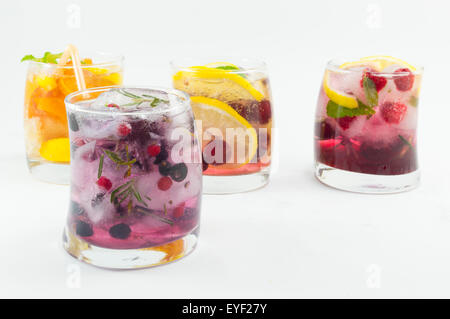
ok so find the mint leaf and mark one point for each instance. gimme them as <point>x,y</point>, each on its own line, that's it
<point>51,58</point>
<point>404,140</point>
<point>227,67</point>
<point>230,68</point>
<point>370,91</point>
<point>337,111</point>
<point>47,58</point>
<point>414,101</point>
<point>28,58</point>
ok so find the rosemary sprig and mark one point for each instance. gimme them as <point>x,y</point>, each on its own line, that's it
<point>138,100</point>
<point>100,166</point>
<point>119,161</point>
<point>151,213</point>
<point>126,191</point>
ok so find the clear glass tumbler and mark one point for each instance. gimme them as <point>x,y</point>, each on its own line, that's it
<point>366,120</point>
<point>136,177</point>
<point>45,121</point>
<point>233,106</point>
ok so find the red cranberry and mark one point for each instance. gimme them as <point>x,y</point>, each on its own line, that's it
<point>153,150</point>
<point>124,129</point>
<point>164,183</point>
<point>104,182</point>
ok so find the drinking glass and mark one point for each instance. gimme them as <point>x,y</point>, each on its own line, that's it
<point>136,177</point>
<point>366,122</point>
<point>45,121</point>
<point>233,106</point>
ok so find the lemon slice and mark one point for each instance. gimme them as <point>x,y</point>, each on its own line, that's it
<point>216,114</point>
<point>56,150</point>
<point>340,98</point>
<point>216,84</point>
<point>386,61</point>
<point>376,65</point>
<point>219,64</point>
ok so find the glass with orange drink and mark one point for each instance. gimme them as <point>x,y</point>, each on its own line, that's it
<point>45,120</point>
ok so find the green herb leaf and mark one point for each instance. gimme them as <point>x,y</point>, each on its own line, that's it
<point>414,101</point>
<point>151,213</point>
<point>230,68</point>
<point>47,58</point>
<point>100,166</point>
<point>28,57</point>
<point>118,189</point>
<point>227,67</point>
<point>404,140</point>
<point>337,111</point>
<point>370,91</point>
<point>113,156</point>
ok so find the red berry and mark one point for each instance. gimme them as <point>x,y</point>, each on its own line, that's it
<point>379,81</point>
<point>164,183</point>
<point>112,105</point>
<point>124,129</point>
<point>393,112</point>
<point>153,150</point>
<point>345,122</point>
<point>178,211</point>
<point>405,81</point>
<point>104,182</point>
<point>211,157</point>
<point>265,111</point>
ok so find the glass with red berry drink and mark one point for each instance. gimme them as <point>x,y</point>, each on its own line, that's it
<point>136,177</point>
<point>233,106</point>
<point>366,120</point>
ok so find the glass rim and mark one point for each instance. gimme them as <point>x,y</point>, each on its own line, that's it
<point>184,64</point>
<point>334,65</point>
<point>113,60</point>
<point>183,104</point>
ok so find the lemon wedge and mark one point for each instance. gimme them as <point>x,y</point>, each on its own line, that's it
<point>216,114</point>
<point>386,61</point>
<point>340,98</point>
<point>56,150</point>
<point>215,83</point>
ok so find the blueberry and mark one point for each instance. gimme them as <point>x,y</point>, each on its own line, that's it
<point>73,124</point>
<point>162,156</point>
<point>120,231</point>
<point>83,229</point>
<point>178,172</point>
<point>75,208</point>
<point>164,168</point>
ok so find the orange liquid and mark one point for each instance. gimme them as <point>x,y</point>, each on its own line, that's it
<point>45,111</point>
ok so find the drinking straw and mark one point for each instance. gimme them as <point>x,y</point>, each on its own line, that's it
<point>72,52</point>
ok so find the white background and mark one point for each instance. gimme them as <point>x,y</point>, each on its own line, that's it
<point>295,237</point>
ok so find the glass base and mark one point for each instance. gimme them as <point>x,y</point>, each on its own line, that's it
<point>50,172</point>
<point>366,183</point>
<point>235,183</point>
<point>129,258</point>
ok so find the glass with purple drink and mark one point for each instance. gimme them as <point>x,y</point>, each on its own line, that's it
<point>136,177</point>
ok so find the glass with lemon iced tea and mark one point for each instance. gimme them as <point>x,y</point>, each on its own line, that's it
<point>233,108</point>
<point>366,120</point>
<point>45,119</point>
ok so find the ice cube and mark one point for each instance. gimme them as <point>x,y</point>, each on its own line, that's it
<point>129,99</point>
